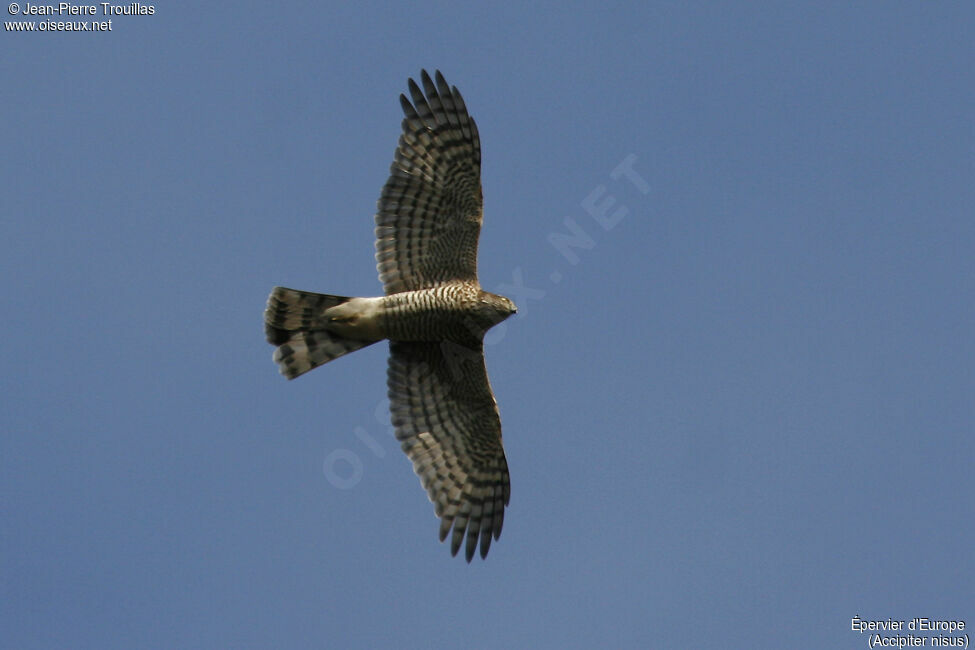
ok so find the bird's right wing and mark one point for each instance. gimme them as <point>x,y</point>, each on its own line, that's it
<point>430,209</point>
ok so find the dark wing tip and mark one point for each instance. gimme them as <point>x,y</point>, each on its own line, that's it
<point>405,103</point>
<point>485,543</point>
<point>415,92</point>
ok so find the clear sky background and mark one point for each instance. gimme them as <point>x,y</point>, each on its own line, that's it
<point>739,416</point>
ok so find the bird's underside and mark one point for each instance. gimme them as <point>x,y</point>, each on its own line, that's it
<point>434,314</point>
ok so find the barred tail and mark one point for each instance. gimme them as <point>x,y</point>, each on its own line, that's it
<point>294,322</point>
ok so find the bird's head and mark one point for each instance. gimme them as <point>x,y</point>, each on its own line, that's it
<point>495,308</point>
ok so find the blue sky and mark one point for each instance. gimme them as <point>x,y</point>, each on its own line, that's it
<point>741,414</point>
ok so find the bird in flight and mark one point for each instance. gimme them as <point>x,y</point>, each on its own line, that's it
<point>434,314</point>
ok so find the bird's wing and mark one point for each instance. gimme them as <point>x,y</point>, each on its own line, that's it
<point>447,422</point>
<point>430,209</point>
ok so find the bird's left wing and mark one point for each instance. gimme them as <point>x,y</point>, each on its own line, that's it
<point>447,422</point>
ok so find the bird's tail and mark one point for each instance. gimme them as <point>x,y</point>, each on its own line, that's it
<point>294,322</point>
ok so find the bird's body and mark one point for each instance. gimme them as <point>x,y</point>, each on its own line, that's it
<point>456,312</point>
<point>434,313</point>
